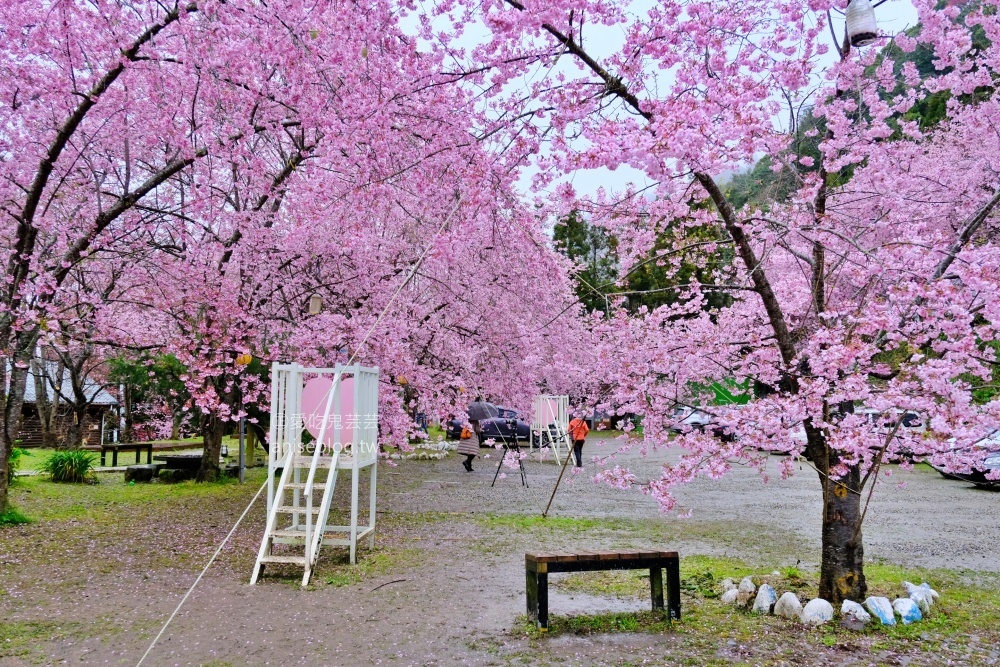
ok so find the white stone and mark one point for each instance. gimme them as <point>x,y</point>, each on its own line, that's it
<point>923,601</point>
<point>746,592</point>
<point>766,597</point>
<point>729,597</point>
<point>907,609</point>
<point>853,616</point>
<point>817,612</point>
<point>923,595</point>
<point>728,585</point>
<point>924,587</point>
<point>881,609</point>
<point>788,606</point>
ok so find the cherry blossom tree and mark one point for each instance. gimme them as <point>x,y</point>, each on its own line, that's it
<point>871,282</point>
<point>226,160</point>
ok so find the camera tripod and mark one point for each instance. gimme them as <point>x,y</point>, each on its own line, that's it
<point>514,447</point>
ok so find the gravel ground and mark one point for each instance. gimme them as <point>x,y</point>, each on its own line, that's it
<point>916,517</point>
<point>456,601</point>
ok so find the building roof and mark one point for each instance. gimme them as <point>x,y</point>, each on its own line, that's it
<point>92,389</point>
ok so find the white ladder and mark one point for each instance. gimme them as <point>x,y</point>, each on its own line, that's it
<point>308,521</point>
<point>560,436</point>
<point>297,486</point>
<point>308,533</point>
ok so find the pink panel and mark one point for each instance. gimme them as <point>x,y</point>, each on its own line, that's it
<point>549,411</point>
<point>314,398</point>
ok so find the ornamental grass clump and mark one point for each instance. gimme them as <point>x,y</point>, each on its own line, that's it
<point>70,466</point>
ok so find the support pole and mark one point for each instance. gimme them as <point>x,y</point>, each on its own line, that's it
<point>243,441</point>
<point>562,470</point>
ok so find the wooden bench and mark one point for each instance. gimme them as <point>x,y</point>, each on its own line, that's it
<point>137,447</point>
<point>537,567</point>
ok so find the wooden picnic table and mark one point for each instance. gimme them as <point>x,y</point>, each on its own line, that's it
<point>115,447</point>
<point>181,461</point>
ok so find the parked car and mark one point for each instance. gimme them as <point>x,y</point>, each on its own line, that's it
<point>501,428</point>
<point>688,419</point>
<point>977,476</point>
<point>508,427</point>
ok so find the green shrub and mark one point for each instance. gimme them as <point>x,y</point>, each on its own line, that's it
<point>11,517</point>
<point>14,463</point>
<point>70,466</point>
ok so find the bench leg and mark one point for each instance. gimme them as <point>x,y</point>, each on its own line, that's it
<point>531,593</point>
<point>138,456</point>
<point>674,588</point>
<point>656,587</point>
<point>537,594</point>
<point>103,454</point>
<point>114,458</point>
<point>149,455</point>
<point>543,600</point>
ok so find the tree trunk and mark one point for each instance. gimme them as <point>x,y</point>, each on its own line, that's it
<point>211,432</point>
<point>175,425</point>
<point>842,575</point>
<point>129,434</point>
<point>11,405</point>
<point>47,409</point>
<point>77,429</point>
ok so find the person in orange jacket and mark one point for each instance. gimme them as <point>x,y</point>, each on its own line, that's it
<point>578,431</point>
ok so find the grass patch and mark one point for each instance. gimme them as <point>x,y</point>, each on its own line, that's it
<point>23,639</point>
<point>371,564</point>
<point>12,517</point>
<point>18,639</point>
<point>532,522</point>
<point>103,502</point>
<point>739,538</point>
<point>592,624</point>
<point>964,626</point>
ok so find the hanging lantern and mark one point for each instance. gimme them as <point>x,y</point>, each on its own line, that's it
<point>315,304</point>
<point>861,27</point>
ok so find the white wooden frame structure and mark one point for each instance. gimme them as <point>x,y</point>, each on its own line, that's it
<point>294,492</point>
<point>552,411</point>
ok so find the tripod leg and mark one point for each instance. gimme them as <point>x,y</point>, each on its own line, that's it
<point>502,457</point>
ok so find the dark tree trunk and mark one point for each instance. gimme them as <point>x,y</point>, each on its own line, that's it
<point>129,434</point>
<point>212,429</point>
<point>12,403</point>
<point>77,429</point>
<point>175,425</point>
<point>48,411</point>
<point>842,575</point>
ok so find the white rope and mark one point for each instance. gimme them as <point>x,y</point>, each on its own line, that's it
<point>371,329</point>
<point>208,565</point>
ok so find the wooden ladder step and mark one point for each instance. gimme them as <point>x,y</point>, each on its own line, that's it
<point>289,533</point>
<point>292,560</point>
<point>306,462</point>
<point>291,509</point>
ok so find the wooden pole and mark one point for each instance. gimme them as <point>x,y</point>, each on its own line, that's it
<point>569,455</point>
